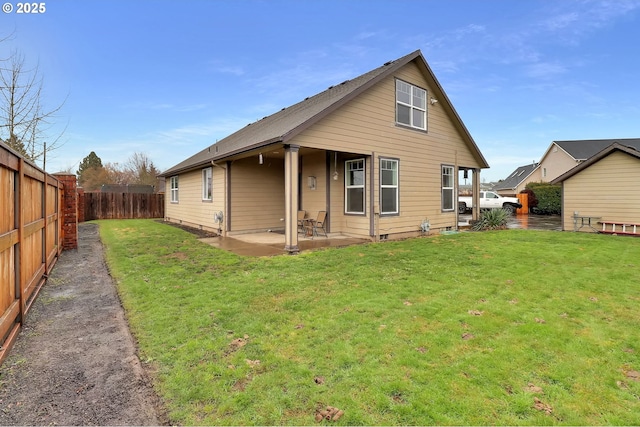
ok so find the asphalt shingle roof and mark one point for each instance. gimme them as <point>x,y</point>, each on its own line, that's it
<point>616,146</point>
<point>288,122</point>
<point>583,149</point>
<point>278,126</point>
<point>516,177</point>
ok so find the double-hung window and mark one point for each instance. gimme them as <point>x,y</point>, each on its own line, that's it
<point>448,184</point>
<point>411,105</point>
<point>174,189</point>
<point>388,186</point>
<point>354,186</point>
<point>207,184</point>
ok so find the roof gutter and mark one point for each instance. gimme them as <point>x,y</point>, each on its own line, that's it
<point>217,158</point>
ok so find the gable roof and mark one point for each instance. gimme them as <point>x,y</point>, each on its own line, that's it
<point>519,175</point>
<point>583,149</point>
<point>289,122</point>
<point>630,150</point>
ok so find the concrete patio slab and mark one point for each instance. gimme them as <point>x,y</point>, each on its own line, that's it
<point>271,244</point>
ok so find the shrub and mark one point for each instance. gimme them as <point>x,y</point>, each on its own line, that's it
<point>548,197</point>
<point>492,219</point>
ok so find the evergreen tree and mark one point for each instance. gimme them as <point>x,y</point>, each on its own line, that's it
<point>91,162</point>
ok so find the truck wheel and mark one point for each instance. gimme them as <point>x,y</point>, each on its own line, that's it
<point>462,207</point>
<point>509,208</point>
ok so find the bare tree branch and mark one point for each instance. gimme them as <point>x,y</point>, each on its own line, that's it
<point>23,120</point>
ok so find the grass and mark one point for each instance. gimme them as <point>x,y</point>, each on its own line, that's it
<point>510,327</point>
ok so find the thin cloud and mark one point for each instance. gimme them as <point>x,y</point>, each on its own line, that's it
<point>546,118</point>
<point>165,106</point>
<point>545,70</point>
<point>218,66</point>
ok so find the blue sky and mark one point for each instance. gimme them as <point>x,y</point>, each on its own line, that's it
<point>169,78</point>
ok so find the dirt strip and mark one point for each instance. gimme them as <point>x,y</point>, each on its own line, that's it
<point>75,362</point>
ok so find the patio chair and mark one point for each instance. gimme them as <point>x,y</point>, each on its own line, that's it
<point>320,223</point>
<point>301,221</point>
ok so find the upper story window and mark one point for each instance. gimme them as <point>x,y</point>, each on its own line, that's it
<point>411,105</point>
<point>207,184</point>
<point>174,189</point>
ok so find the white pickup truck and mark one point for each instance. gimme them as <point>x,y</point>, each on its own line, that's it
<point>489,200</point>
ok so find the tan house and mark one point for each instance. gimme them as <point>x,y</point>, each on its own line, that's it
<point>561,156</point>
<point>604,188</point>
<point>380,154</point>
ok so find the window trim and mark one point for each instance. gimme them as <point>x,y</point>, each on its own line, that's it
<point>174,189</point>
<point>396,186</point>
<point>443,188</point>
<point>348,187</point>
<point>411,106</point>
<point>207,173</point>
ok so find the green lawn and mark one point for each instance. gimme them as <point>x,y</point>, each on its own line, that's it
<point>509,327</point>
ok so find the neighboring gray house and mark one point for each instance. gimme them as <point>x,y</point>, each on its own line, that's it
<point>518,179</point>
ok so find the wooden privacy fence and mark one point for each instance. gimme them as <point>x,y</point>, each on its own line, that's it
<point>123,205</point>
<point>31,237</point>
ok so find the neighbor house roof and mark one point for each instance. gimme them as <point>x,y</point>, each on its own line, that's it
<point>585,148</point>
<point>289,122</point>
<point>519,175</point>
<point>616,146</point>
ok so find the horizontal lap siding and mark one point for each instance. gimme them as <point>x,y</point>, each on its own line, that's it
<point>366,125</point>
<point>314,201</point>
<point>257,193</point>
<point>191,209</point>
<point>555,164</point>
<point>607,189</point>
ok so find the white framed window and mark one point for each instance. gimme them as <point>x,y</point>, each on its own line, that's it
<point>411,105</point>
<point>448,187</point>
<point>174,189</point>
<point>388,186</point>
<point>207,184</point>
<point>354,186</point>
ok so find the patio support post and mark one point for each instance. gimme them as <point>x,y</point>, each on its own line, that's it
<point>291,165</point>
<point>475,213</point>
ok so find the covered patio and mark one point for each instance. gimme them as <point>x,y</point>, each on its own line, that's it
<point>272,243</point>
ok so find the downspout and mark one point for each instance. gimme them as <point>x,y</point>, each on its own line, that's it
<point>374,218</point>
<point>456,190</point>
<point>227,219</point>
<point>328,187</point>
<point>227,188</point>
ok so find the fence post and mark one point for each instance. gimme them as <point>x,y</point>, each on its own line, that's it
<point>70,212</point>
<point>20,276</point>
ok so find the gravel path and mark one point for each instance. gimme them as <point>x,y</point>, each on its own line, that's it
<point>75,362</point>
